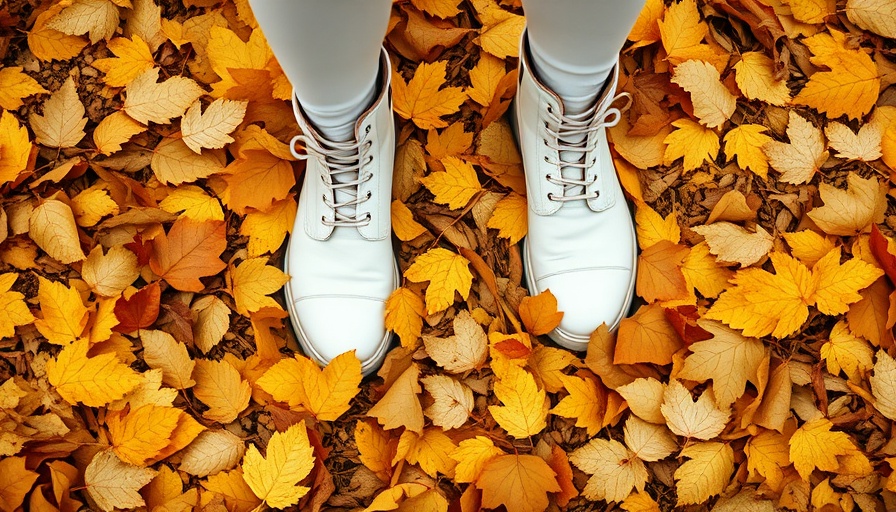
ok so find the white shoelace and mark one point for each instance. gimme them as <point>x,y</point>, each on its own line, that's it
<point>569,136</point>
<point>342,164</point>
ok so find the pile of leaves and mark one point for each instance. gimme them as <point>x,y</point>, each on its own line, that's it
<point>148,188</point>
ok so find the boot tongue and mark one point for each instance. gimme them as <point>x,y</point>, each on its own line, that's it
<point>342,195</point>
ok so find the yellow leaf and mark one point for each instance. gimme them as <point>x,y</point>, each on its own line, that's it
<point>227,51</point>
<point>454,187</point>
<point>289,459</point>
<point>15,482</point>
<point>768,454</point>
<point>220,387</point>
<point>864,146</point>
<point>166,492</point>
<point>484,77</point>
<point>404,316</point>
<point>13,310</point>
<point>692,141</point>
<point>547,365</point>
<point>64,313</point>
<point>615,470</point>
<point>93,381</point>
<point>808,246</point>
<point>403,223</point>
<point>745,143</point>
<point>115,484</point>
<point>15,148</point>
<point>162,351</point>
<point>852,211</point>
<point>148,100</point>
<point>268,229</point>
<point>642,151</point>
<point>108,275</point>
<point>659,272</point>
<point>682,31</point>
<point>848,352</point>
<point>649,442</point>
<point>452,401</point>
<point>646,29</point>
<point>132,58</point>
<point>703,273</point>
<point>91,205</point>
<point>212,451</point>
<point>400,406</point>
<point>465,351</point>
<point>408,496</point>
<point>211,321</point>
<point>646,337</point>
<point>238,496</point>
<point>49,44</point>
<point>539,313</point>
<point>839,285</point>
<point>519,482</point>
<point>174,163</point>
<point>639,502</point>
<point>510,218</point>
<point>697,420</point>
<point>446,272</point>
<point>196,204</point>
<point>651,227</point>
<point>878,16</point>
<point>883,384</point>
<point>852,85</point>
<point>525,407</point>
<point>62,123</point>
<point>728,358</point>
<point>422,101</point>
<point>256,180</point>
<point>501,30</point>
<point>438,8</point>
<point>732,207</point>
<point>799,160</point>
<point>98,17</point>
<point>115,130</point>
<point>706,473</point>
<point>15,85</point>
<point>374,448</point>
<point>472,455</point>
<point>811,11</point>
<point>644,397</point>
<point>253,281</point>
<point>586,403</point>
<point>211,129</point>
<point>815,446</point>
<point>142,433</point>
<point>147,391</point>
<point>428,450</point>
<point>755,76</point>
<point>713,104</point>
<point>452,141</point>
<point>734,244</point>
<point>325,393</point>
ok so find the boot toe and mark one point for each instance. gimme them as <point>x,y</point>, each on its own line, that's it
<point>329,326</point>
<point>588,298</point>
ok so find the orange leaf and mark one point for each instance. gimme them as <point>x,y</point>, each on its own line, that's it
<point>519,482</point>
<point>190,250</point>
<point>421,100</point>
<point>539,313</point>
<point>646,337</point>
<point>659,272</point>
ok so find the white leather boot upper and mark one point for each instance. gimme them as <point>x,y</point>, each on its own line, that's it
<point>340,259</point>
<point>581,241</point>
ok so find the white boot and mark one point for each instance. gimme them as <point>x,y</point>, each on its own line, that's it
<point>581,243</point>
<point>340,259</point>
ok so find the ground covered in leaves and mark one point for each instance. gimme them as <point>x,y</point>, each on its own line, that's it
<point>148,189</point>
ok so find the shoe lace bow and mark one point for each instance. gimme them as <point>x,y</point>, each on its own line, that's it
<point>569,135</point>
<point>342,173</point>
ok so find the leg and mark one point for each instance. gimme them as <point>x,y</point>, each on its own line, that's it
<point>575,44</point>
<point>330,51</point>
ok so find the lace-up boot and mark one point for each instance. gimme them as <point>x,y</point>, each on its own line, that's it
<point>340,259</point>
<point>581,242</point>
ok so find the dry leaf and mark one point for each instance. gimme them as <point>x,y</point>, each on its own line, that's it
<point>519,482</point>
<point>692,141</point>
<point>421,100</point>
<point>525,407</point>
<point>852,211</point>
<point>699,420</point>
<point>220,387</point>
<point>465,351</point>
<point>446,272</point>
<point>114,484</point>
<point>878,16</point>
<point>706,473</point>
<point>132,58</point>
<point>754,75</point>
<point>63,121</point>
<point>864,146</point>
<point>275,477</point>
<point>615,470</point>
<point>734,244</point>
<point>149,101</point>
<point>108,275</point>
<point>211,129</point>
<point>253,280</point>
<point>713,104</point>
<point>799,160</point>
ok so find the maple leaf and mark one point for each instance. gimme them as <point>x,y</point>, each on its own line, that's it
<point>452,141</point>
<point>211,129</point>
<point>728,358</point>
<point>745,143</point>
<point>148,100</point>
<point>13,310</point>
<point>800,159</point>
<point>864,146</point>
<point>64,313</point>
<point>839,284</point>
<point>851,211</point>
<point>472,455</point>
<point>539,313</point>
<point>62,125</point>
<point>188,251</point>
<point>466,350</point>
<point>510,218</point>
<point>525,407</point>
<point>446,272</point>
<point>421,100</point>
<point>289,459</point>
<point>220,387</point>
<point>519,482</point>
<point>647,441</point>
<point>429,450</point>
<point>878,16</point>
<point>852,85</point>
<point>175,163</point>
<point>754,74</point>
<point>162,351</point>
<point>212,451</point>
<point>142,433</point>
<point>713,104</point>
<point>374,448</point>
<point>768,454</point>
<point>99,18</point>
<point>706,473</point>
<point>847,352</point>
<point>196,205</point>
<point>226,51</point>
<point>734,244</point>
<point>114,484</point>
<point>400,406</point>
<point>698,420</point>
<point>253,280</point>
<point>646,337</point>
<point>547,365</point>
<point>454,187</point>
<point>659,272</point>
<point>644,397</point>
<point>15,148</point>
<point>325,393</point>
<point>408,496</point>
<point>586,403</point>
<point>883,384</point>
<point>651,227</point>
<point>257,180</point>
<point>93,381</point>
<point>614,470</point>
<point>692,141</point>
<point>132,58</point>
<point>815,446</point>
<point>115,130</point>
<point>15,85</point>
<point>501,30</point>
<point>453,401</point>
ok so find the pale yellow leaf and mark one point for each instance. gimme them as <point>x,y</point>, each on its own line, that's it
<point>99,18</point>
<point>852,211</point>
<point>734,244</point>
<point>754,74</point>
<point>615,470</point>
<point>114,484</point>
<point>713,104</point>
<point>706,473</point>
<point>864,146</point>
<point>162,351</point>
<point>803,156</point>
<point>211,129</point>
<point>115,130</point>
<point>212,451</point>
<point>878,16</point>
<point>63,120</point>
<point>220,387</point>
<point>649,442</point>
<point>149,101</point>
<point>700,420</point>
<point>452,401</point>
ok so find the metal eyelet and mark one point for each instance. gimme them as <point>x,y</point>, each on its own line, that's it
<point>369,216</point>
<point>369,194</point>
<point>367,130</point>
<point>546,159</point>
<point>550,196</point>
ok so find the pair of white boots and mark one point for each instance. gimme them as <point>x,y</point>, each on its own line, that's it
<point>581,241</point>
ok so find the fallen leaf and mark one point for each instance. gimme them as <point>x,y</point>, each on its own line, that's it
<point>500,32</point>
<point>659,272</point>
<point>539,313</point>
<point>453,401</point>
<point>15,85</point>
<point>692,141</point>
<point>150,101</point>
<point>713,103</point>
<point>864,146</point>
<point>847,352</point>
<point>699,420</point>
<point>99,18</point>
<point>755,76</point>
<point>745,143</point>
<point>428,450</point>
<point>253,280</point>
<point>649,442</point>
<point>524,408</point>
<point>652,228</point>
<point>851,211</point>
<point>211,129</point>
<point>175,163</point>
<point>289,459</point>
<point>472,455</point>
<point>883,384</point>
<point>108,275</point>
<point>162,351</point>
<point>114,484</point>
<point>400,406</point>
<point>510,218</point>
<point>220,387</point>
<point>878,16</point>
<point>815,446</point>
<point>374,448</point>
<point>211,452</point>
<point>646,337</point>
<point>586,403</point>
<point>142,433</point>
<point>132,58</point>
<point>734,244</point>
<point>188,251</point>
<point>615,470</point>
<point>803,156</point>
<point>13,310</point>
<point>465,351</point>
<point>422,100</point>
<point>519,482</point>
<point>404,316</point>
<point>706,473</point>
<point>454,187</point>
<point>64,313</point>
<point>16,148</point>
<point>446,272</point>
<point>62,123</point>
<point>196,205</point>
<point>140,310</point>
